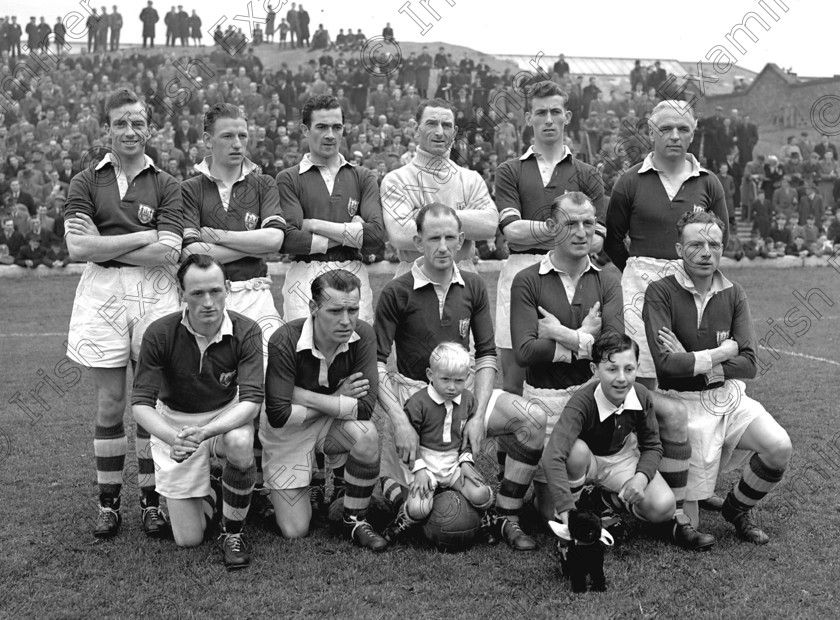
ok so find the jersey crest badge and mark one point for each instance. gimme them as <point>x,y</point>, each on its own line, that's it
<point>352,207</point>
<point>145,213</point>
<point>464,327</point>
<point>226,378</point>
<point>721,336</point>
<point>251,220</point>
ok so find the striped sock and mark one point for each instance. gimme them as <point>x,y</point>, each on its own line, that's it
<point>209,506</point>
<point>109,448</point>
<point>501,459</point>
<point>237,486</point>
<point>576,488</point>
<point>360,481</point>
<point>319,473</point>
<point>393,492</point>
<point>674,468</point>
<point>338,478</point>
<point>258,450</point>
<point>520,467</point>
<point>757,480</point>
<point>145,467</point>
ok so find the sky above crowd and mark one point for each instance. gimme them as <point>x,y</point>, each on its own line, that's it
<point>792,33</point>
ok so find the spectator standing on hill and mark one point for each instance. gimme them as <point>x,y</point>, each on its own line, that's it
<point>194,25</point>
<point>293,19</point>
<point>270,16</point>
<point>115,21</point>
<point>171,21</point>
<point>149,17</point>
<point>303,26</point>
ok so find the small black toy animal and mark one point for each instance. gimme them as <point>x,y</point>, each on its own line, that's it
<point>582,554</point>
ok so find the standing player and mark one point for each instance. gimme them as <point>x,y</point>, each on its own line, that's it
<point>232,212</point>
<point>432,177</point>
<point>556,312</point>
<point>701,336</point>
<point>123,216</point>
<point>320,390</point>
<point>333,217</point>
<point>646,203</point>
<point>436,302</point>
<point>332,208</point>
<point>198,386</point>
<point>525,190</point>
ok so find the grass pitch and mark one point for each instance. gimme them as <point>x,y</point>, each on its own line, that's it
<point>53,568</point>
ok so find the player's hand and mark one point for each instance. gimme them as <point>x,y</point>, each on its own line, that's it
<point>81,224</point>
<point>406,442</point>
<point>468,472</point>
<point>354,386</point>
<point>633,491</point>
<point>549,326</point>
<point>192,435</point>
<point>729,347</point>
<point>474,434</point>
<point>592,321</point>
<point>183,446</point>
<point>422,485</point>
<point>669,342</point>
<point>357,219</point>
<point>29,263</point>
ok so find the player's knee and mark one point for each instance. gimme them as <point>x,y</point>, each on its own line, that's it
<point>482,497</point>
<point>578,460</point>
<point>673,421</point>
<point>191,539</point>
<point>110,407</point>
<point>780,450</point>
<point>659,507</point>
<point>239,447</point>
<point>291,530</point>
<point>365,441</point>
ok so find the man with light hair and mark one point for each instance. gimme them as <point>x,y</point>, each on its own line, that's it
<point>645,205</point>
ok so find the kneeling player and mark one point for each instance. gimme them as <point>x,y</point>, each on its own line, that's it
<point>608,435</point>
<point>197,388</point>
<point>701,336</point>
<point>321,386</point>
<point>439,413</point>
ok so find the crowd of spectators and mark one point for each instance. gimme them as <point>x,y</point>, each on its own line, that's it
<point>52,125</point>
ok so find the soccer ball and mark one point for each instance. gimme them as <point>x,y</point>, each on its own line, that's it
<point>453,523</point>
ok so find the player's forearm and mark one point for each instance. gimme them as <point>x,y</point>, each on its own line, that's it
<point>251,242</point>
<point>98,248</point>
<point>238,415</point>
<point>147,417</point>
<point>483,389</point>
<point>219,252</point>
<point>479,224</point>
<point>350,234</point>
<point>529,233</point>
<point>387,399</point>
<point>160,253</point>
<point>342,407</point>
<point>401,232</point>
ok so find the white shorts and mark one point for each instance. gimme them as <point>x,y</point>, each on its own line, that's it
<point>112,309</point>
<point>297,287</point>
<point>717,419</point>
<point>190,478</point>
<point>289,452</point>
<point>252,298</point>
<point>443,467</point>
<point>611,472</point>
<point>552,402</point>
<point>639,272</point>
<point>513,265</point>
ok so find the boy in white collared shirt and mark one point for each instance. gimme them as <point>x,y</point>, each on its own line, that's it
<point>608,435</point>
